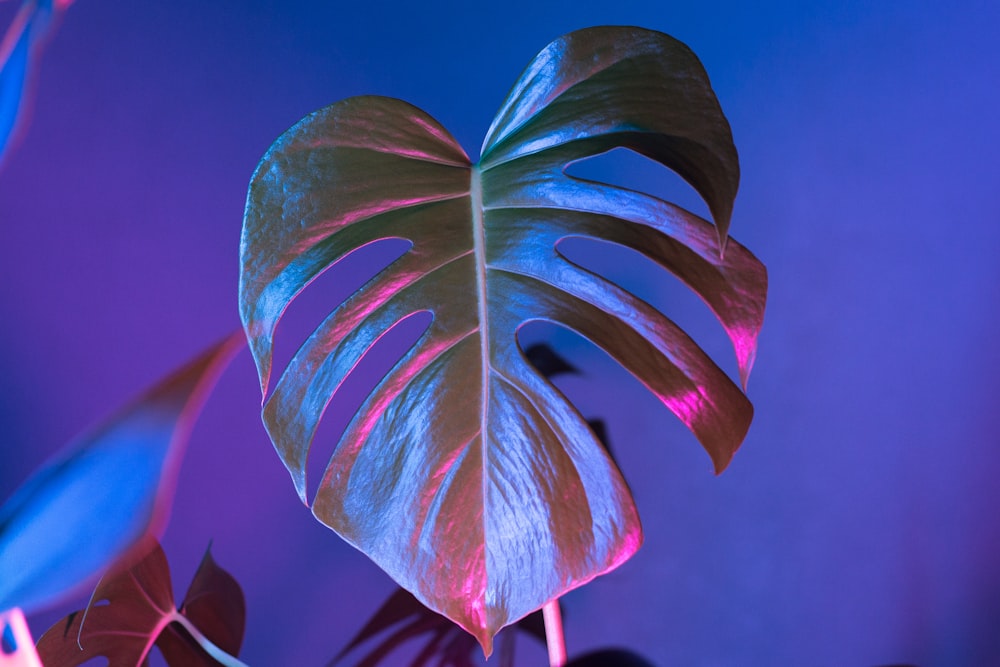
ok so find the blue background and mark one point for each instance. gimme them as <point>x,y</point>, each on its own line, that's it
<point>859,523</point>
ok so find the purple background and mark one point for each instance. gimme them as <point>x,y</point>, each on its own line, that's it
<point>859,523</point>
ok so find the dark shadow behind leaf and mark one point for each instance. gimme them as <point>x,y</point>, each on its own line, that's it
<point>615,657</point>
<point>548,362</point>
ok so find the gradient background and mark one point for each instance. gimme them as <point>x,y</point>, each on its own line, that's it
<point>859,524</point>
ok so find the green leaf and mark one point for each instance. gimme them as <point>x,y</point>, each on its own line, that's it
<point>140,612</point>
<point>465,474</point>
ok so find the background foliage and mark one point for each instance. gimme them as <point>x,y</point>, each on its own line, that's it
<point>857,523</point>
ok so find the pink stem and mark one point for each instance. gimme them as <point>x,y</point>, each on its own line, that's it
<point>18,649</point>
<point>554,638</point>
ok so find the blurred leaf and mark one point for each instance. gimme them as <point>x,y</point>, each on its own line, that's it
<point>444,643</point>
<point>19,52</point>
<point>547,361</point>
<point>140,612</point>
<point>98,499</point>
<point>465,474</point>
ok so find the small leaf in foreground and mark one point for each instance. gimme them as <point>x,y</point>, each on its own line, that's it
<point>101,497</point>
<point>140,612</point>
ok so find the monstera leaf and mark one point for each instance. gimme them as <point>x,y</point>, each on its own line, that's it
<point>139,612</point>
<point>465,474</point>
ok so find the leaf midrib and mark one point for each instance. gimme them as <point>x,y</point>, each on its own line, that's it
<point>479,246</point>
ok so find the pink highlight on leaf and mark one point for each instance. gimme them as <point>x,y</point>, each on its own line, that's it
<point>745,344</point>
<point>384,125</point>
<point>689,406</point>
<point>322,232</point>
<point>400,378</point>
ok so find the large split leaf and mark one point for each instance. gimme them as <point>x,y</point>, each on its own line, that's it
<point>465,474</point>
<point>101,497</point>
<point>139,613</point>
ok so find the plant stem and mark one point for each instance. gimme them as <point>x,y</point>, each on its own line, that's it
<point>16,646</point>
<point>554,638</point>
<point>217,653</point>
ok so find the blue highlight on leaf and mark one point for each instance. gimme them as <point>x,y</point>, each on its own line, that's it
<point>18,51</point>
<point>100,498</point>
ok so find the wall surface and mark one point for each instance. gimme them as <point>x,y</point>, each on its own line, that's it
<point>858,524</point>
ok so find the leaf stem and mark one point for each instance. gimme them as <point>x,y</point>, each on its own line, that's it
<point>217,653</point>
<point>554,638</point>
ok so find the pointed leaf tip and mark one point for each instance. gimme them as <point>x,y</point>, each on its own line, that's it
<point>98,499</point>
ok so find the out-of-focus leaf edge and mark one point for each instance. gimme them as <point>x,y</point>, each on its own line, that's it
<point>182,393</point>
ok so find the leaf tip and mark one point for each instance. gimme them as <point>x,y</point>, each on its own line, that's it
<point>723,242</point>
<point>300,487</point>
<point>486,642</point>
<point>720,464</point>
<point>745,368</point>
<point>260,350</point>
